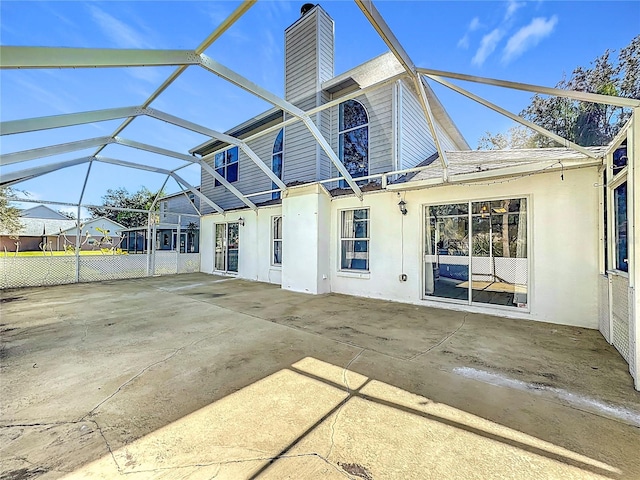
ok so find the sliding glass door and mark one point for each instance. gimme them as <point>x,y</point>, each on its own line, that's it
<point>447,251</point>
<point>226,247</point>
<point>476,252</point>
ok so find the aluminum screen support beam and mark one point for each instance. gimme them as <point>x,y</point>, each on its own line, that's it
<point>522,121</point>
<point>196,192</point>
<point>28,173</point>
<point>206,167</point>
<point>35,153</point>
<point>575,95</point>
<point>165,117</point>
<point>380,26</point>
<point>238,80</point>
<point>150,168</point>
<point>217,33</point>
<point>56,121</point>
<point>55,57</point>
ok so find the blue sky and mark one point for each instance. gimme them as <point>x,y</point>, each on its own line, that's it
<point>535,42</point>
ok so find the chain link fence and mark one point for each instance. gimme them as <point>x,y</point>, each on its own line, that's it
<point>44,270</point>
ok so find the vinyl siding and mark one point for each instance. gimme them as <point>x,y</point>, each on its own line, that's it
<point>179,204</point>
<point>250,178</point>
<point>416,142</point>
<point>301,59</point>
<point>300,149</point>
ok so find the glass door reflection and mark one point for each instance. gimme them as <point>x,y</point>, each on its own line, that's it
<point>447,252</point>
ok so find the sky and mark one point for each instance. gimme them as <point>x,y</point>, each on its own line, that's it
<point>536,42</point>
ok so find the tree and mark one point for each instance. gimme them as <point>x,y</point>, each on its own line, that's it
<point>516,137</point>
<point>121,198</point>
<point>9,215</point>
<point>584,123</point>
<point>69,215</point>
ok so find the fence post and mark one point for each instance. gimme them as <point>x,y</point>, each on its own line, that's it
<point>179,243</point>
<point>78,234</point>
<point>149,242</point>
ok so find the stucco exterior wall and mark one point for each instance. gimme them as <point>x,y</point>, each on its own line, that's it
<point>563,245</point>
<point>255,256</point>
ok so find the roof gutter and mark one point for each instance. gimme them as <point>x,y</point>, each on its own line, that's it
<point>517,172</point>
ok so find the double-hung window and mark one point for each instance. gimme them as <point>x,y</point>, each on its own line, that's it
<point>277,241</point>
<point>226,164</point>
<point>354,240</point>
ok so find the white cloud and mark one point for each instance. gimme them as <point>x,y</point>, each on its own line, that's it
<point>473,26</point>
<point>512,7</point>
<point>120,34</point>
<point>528,36</point>
<point>487,46</point>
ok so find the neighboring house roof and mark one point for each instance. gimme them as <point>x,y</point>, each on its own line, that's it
<point>101,222</point>
<point>474,161</point>
<point>38,227</point>
<point>42,211</point>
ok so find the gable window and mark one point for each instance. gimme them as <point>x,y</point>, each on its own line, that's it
<point>276,161</point>
<point>354,240</point>
<point>277,241</point>
<point>353,139</point>
<point>226,164</point>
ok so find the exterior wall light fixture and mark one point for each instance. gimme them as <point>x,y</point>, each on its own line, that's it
<point>402,205</point>
<point>241,222</point>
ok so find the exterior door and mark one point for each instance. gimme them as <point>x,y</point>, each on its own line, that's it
<point>446,260</point>
<point>477,252</point>
<point>226,247</point>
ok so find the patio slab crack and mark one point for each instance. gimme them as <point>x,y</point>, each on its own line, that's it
<point>442,341</point>
<point>145,369</point>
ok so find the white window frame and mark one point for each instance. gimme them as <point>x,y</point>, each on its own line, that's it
<point>342,238</point>
<point>614,181</point>
<point>274,240</point>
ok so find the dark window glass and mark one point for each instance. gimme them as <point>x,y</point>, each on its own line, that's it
<point>354,139</point>
<point>276,161</point>
<point>449,210</point>
<point>226,164</point>
<point>352,114</point>
<point>620,201</point>
<point>620,159</point>
<point>232,172</point>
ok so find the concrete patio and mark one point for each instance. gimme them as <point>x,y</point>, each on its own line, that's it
<point>198,376</point>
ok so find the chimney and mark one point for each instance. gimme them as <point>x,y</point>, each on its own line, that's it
<point>308,55</point>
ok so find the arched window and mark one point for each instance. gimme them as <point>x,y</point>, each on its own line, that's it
<point>276,161</point>
<point>353,145</point>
